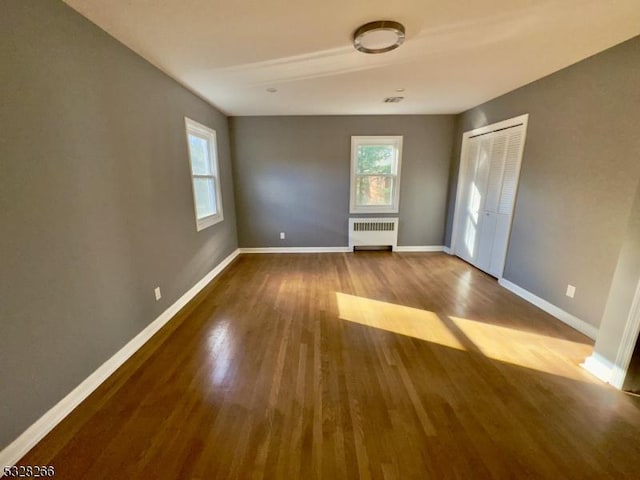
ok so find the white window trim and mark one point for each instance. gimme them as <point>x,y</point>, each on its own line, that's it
<point>196,128</point>
<point>373,140</point>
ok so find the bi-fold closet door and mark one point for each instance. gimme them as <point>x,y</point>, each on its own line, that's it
<point>489,171</point>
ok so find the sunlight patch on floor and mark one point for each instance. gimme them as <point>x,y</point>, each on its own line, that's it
<point>412,322</point>
<point>221,341</point>
<point>525,349</point>
<point>511,346</point>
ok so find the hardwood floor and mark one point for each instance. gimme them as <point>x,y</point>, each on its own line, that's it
<point>344,366</point>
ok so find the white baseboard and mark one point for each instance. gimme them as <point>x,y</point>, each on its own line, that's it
<point>447,250</point>
<point>571,320</point>
<point>296,250</point>
<point>598,366</point>
<point>32,435</point>
<point>420,248</point>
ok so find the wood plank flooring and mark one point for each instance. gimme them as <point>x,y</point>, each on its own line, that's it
<point>372,365</point>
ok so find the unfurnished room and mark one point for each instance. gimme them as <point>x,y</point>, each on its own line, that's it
<point>319,240</point>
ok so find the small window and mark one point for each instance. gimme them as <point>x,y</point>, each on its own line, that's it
<point>205,178</point>
<point>375,174</point>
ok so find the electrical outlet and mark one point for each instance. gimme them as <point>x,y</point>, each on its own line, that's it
<point>571,291</point>
<point>157,292</point>
<point>281,235</point>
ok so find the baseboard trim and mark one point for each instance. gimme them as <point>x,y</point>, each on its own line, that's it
<point>571,320</point>
<point>296,250</point>
<point>599,367</point>
<point>447,250</point>
<point>32,435</point>
<point>420,248</point>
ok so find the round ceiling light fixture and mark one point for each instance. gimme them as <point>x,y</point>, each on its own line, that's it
<point>378,37</point>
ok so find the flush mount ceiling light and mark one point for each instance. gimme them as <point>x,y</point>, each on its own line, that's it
<point>378,37</point>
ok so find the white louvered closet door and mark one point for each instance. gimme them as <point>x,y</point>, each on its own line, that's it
<point>489,214</point>
<point>490,178</point>
<point>476,170</point>
<point>511,173</point>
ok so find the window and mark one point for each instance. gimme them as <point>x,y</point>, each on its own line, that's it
<point>375,174</point>
<point>205,179</point>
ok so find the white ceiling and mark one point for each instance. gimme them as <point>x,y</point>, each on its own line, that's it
<point>457,54</point>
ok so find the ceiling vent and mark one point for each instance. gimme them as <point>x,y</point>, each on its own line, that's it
<point>393,99</point>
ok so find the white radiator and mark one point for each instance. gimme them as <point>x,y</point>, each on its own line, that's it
<point>373,232</point>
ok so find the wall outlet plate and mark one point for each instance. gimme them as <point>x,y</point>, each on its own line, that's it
<point>571,291</point>
<point>281,235</point>
<point>157,293</point>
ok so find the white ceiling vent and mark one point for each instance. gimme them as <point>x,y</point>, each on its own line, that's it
<point>393,99</point>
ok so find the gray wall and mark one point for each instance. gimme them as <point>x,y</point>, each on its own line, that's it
<point>292,174</point>
<point>95,202</point>
<point>580,169</point>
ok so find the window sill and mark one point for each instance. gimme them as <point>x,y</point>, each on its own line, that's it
<point>209,221</point>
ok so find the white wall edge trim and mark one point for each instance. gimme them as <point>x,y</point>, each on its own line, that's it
<point>571,320</point>
<point>447,250</point>
<point>627,343</point>
<point>32,435</point>
<point>419,248</point>
<point>296,250</point>
<point>598,366</point>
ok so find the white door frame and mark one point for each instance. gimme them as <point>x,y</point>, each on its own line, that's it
<point>627,343</point>
<point>511,122</point>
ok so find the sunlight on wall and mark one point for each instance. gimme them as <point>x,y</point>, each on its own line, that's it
<point>526,349</point>
<point>412,322</point>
